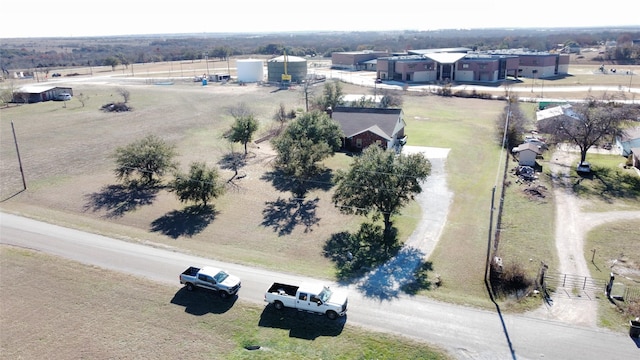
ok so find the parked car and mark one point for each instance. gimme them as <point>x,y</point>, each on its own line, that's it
<point>583,167</point>
<point>541,144</point>
<point>63,97</point>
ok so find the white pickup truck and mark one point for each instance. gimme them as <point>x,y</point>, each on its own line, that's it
<point>315,298</point>
<point>210,278</point>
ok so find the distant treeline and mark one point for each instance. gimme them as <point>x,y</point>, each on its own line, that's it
<point>51,53</point>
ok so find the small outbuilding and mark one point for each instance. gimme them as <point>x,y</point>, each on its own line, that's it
<point>527,153</point>
<point>34,94</point>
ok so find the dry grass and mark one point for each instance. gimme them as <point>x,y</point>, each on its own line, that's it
<point>64,310</point>
<point>66,156</point>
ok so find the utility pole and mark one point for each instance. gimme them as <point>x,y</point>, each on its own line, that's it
<point>15,139</point>
<point>206,60</point>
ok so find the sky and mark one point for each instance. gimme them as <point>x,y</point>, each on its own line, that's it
<point>80,18</point>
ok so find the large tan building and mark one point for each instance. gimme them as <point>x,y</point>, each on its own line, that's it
<point>455,64</point>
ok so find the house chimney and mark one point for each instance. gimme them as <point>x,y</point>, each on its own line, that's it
<point>330,112</point>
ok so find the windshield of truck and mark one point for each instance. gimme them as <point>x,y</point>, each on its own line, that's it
<point>325,295</point>
<point>219,277</point>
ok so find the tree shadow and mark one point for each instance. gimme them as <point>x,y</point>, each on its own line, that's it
<point>421,280</point>
<point>186,222</point>
<point>284,215</point>
<point>282,182</point>
<point>388,281</point>
<point>608,184</point>
<point>301,324</point>
<point>203,301</point>
<point>119,199</point>
<point>356,254</point>
<point>233,161</point>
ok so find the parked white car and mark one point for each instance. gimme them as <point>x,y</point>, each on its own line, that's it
<point>63,97</point>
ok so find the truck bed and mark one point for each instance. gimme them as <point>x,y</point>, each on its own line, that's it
<point>191,271</point>
<point>278,288</point>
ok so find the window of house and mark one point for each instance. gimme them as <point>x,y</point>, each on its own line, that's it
<point>465,66</point>
<point>359,143</point>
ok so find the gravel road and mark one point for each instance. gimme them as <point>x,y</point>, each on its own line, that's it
<point>572,225</point>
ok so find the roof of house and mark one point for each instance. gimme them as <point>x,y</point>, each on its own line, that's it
<point>631,134</point>
<point>555,111</point>
<point>37,89</point>
<point>357,97</point>
<point>528,146</point>
<point>355,120</point>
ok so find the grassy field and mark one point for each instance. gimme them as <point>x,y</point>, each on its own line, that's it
<point>82,312</point>
<point>66,155</point>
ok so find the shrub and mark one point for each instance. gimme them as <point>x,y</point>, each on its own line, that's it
<point>510,280</point>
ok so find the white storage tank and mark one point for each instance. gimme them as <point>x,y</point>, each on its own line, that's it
<point>250,70</point>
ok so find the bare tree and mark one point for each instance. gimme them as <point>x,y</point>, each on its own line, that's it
<point>82,98</point>
<point>510,125</point>
<point>7,94</point>
<point>595,120</point>
<point>126,95</point>
<point>240,111</point>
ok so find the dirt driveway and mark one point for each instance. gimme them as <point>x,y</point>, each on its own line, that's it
<point>572,225</point>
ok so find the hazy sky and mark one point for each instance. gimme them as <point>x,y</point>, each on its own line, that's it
<point>40,18</point>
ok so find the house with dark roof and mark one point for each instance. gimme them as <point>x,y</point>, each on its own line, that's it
<point>363,127</point>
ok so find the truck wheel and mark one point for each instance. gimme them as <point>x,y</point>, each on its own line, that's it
<point>223,294</point>
<point>278,305</point>
<point>190,287</point>
<point>332,315</point>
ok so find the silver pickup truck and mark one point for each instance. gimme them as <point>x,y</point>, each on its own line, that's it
<point>315,298</point>
<point>210,278</point>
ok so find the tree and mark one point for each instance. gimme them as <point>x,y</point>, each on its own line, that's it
<point>510,125</point>
<point>307,140</point>
<point>82,98</point>
<point>380,183</point>
<point>111,61</point>
<point>243,129</point>
<point>199,185</point>
<point>126,95</point>
<point>595,120</point>
<point>390,99</point>
<point>148,157</point>
<point>331,96</point>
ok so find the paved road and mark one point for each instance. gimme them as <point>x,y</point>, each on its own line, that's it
<point>466,332</point>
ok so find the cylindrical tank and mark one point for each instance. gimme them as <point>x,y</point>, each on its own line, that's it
<point>296,67</point>
<point>250,70</point>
